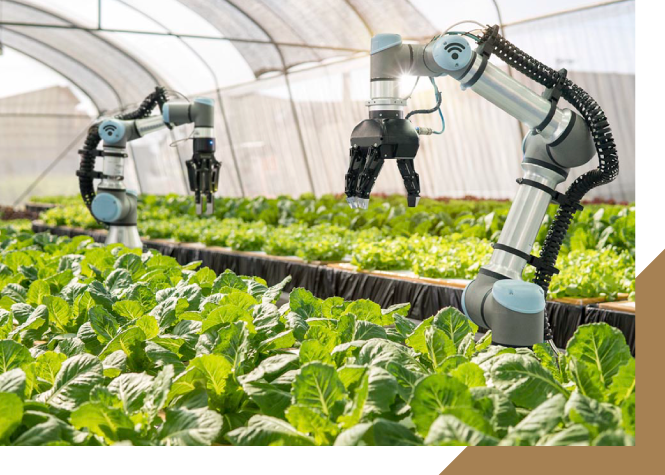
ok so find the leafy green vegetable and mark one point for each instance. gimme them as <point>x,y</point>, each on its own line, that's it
<point>439,239</point>
<point>132,348</point>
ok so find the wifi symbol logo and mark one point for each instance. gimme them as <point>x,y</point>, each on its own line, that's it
<point>452,52</point>
<point>111,131</point>
<point>454,49</point>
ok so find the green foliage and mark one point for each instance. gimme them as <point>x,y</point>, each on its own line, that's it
<point>134,348</point>
<point>438,239</point>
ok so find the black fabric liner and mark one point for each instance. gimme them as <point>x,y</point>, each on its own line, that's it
<point>324,281</point>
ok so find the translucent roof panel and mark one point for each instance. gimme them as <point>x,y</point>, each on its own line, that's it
<point>394,16</point>
<point>231,22</point>
<point>85,48</point>
<point>169,58</point>
<point>222,60</point>
<point>443,14</point>
<point>101,93</point>
<point>555,40</point>
<point>32,74</point>
<point>82,12</point>
<point>322,29</point>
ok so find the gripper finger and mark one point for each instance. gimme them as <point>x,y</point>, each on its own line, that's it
<point>411,181</point>
<point>356,166</point>
<point>368,177</point>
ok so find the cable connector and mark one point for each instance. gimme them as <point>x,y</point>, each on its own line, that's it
<point>488,41</point>
<point>92,174</point>
<point>553,94</point>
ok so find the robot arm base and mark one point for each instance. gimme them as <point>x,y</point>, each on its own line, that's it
<point>513,309</point>
<point>115,207</point>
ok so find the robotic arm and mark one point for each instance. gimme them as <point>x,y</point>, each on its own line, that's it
<point>559,139</point>
<point>116,206</point>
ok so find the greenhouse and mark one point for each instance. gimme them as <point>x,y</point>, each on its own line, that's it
<point>307,223</point>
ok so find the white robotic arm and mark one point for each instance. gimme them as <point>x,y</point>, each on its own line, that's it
<point>114,205</point>
<point>559,139</point>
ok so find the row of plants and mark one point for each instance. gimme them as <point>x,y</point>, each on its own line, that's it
<point>106,345</point>
<point>443,240</point>
<point>597,226</point>
<point>17,225</point>
<point>60,200</point>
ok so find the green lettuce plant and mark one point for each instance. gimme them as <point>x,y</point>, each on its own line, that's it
<point>439,239</point>
<point>106,345</point>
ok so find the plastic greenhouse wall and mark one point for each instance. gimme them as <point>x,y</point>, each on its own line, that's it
<point>290,135</point>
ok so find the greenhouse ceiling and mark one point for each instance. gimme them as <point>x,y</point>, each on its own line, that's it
<point>115,50</point>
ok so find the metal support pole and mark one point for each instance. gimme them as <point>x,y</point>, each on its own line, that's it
<point>230,139</point>
<point>299,131</point>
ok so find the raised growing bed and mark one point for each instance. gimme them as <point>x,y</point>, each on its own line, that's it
<point>327,280</point>
<point>39,207</point>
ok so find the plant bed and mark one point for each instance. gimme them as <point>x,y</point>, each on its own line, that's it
<point>628,307</point>
<point>438,240</point>
<point>39,208</point>
<point>328,280</point>
<point>8,213</point>
<point>104,345</point>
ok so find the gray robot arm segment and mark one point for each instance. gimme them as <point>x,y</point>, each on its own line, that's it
<point>203,168</point>
<point>560,139</point>
<point>117,207</point>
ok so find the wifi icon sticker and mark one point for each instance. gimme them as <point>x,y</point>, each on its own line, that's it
<point>454,49</point>
<point>111,131</point>
<point>452,53</point>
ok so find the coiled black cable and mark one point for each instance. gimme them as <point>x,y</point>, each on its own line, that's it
<point>86,171</point>
<point>599,127</point>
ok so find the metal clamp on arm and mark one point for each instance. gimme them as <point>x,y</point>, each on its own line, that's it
<point>553,95</point>
<point>557,197</point>
<point>530,259</point>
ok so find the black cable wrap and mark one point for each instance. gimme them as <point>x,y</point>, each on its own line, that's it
<point>89,151</point>
<point>599,127</point>
<point>427,111</point>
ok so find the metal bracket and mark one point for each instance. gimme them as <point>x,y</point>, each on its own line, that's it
<point>530,259</point>
<point>558,198</point>
<point>553,94</point>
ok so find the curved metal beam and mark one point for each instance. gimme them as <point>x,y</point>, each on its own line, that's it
<point>120,50</point>
<point>362,18</point>
<point>288,88</point>
<point>217,88</point>
<point>52,68</point>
